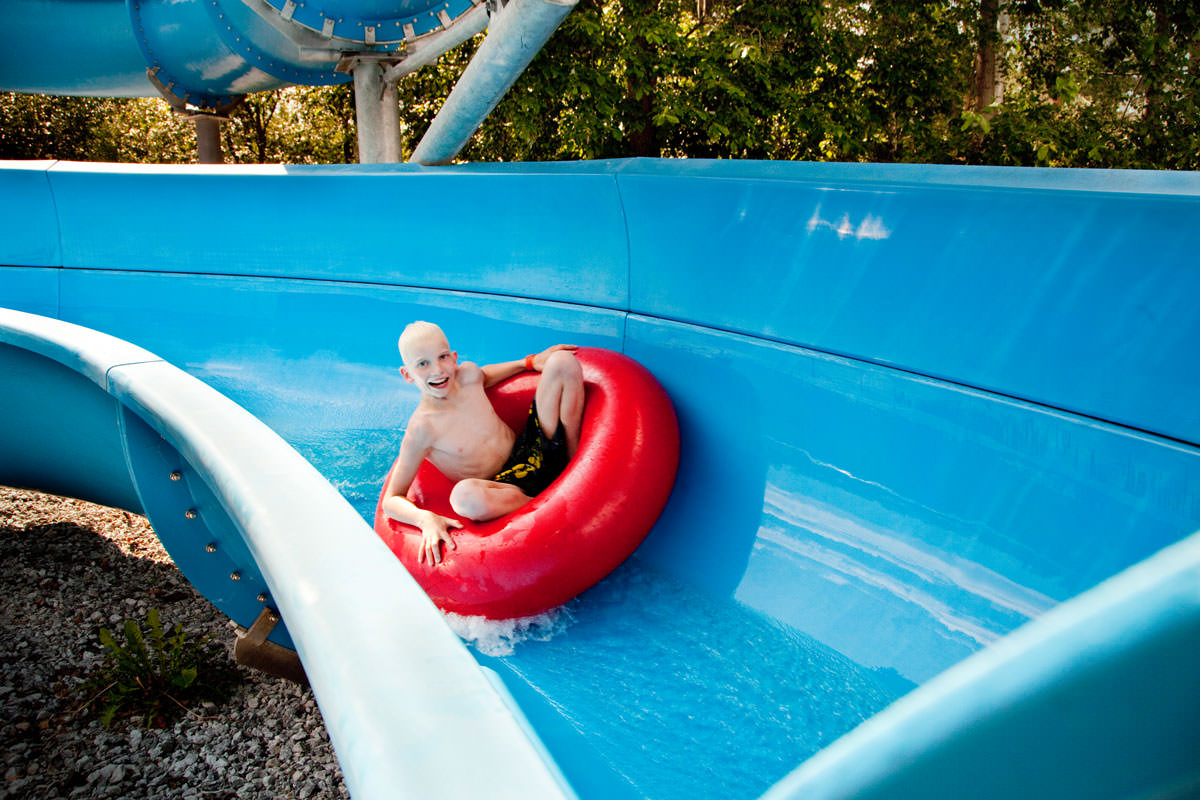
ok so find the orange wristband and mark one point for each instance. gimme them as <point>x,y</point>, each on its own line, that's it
<point>529,362</point>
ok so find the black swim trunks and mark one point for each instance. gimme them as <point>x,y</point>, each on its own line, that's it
<point>535,460</point>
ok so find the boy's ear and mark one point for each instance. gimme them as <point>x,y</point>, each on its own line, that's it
<point>404,372</point>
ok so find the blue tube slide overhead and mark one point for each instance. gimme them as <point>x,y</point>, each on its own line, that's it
<point>204,52</point>
<point>73,48</point>
<point>203,55</point>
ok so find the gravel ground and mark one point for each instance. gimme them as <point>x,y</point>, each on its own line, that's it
<point>66,569</point>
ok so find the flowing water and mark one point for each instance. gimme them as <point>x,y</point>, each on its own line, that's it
<point>647,687</point>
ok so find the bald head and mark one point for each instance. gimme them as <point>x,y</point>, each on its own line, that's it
<point>416,334</point>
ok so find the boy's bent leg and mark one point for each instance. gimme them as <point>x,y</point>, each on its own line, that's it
<point>480,500</point>
<point>559,398</point>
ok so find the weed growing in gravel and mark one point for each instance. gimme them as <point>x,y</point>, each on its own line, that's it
<point>155,674</point>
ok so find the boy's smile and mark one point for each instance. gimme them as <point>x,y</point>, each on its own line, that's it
<point>435,375</point>
<point>430,364</point>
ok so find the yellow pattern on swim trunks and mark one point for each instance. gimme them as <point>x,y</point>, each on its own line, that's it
<point>532,465</point>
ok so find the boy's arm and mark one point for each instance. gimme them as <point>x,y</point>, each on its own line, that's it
<point>434,527</point>
<point>495,373</point>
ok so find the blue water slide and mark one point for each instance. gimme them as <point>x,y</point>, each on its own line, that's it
<point>251,523</point>
<point>207,52</point>
<point>932,533</point>
<point>203,56</point>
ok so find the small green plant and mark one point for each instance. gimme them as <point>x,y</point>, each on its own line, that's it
<point>155,675</point>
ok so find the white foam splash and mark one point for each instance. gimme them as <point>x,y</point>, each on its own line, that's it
<point>499,637</point>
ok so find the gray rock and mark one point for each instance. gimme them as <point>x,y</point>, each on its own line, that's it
<point>240,749</point>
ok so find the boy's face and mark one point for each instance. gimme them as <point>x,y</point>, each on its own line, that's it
<point>430,364</point>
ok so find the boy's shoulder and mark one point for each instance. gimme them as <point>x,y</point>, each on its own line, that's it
<point>420,426</point>
<point>469,372</point>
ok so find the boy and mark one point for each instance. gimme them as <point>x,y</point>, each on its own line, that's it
<point>455,427</point>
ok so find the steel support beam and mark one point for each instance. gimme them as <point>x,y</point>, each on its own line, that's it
<point>376,112</point>
<point>208,139</point>
<point>430,47</point>
<point>515,36</point>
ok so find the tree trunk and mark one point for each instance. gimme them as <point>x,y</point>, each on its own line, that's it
<point>986,58</point>
<point>1152,72</point>
<point>643,140</point>
<point>641,82</point>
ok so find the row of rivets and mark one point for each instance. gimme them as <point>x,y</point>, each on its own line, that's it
<point>211,547</point>
<point>288,12</point>
<point>282,68</point>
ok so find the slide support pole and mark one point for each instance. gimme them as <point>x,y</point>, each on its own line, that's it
<point>515,35</point>
<point>208,139</point>
<point>376,111</point>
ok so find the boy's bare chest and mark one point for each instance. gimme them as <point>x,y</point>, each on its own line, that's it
<point>471,441</point>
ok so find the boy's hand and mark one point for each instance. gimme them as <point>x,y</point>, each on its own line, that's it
<point>539,361</point>
<point>434,531</point>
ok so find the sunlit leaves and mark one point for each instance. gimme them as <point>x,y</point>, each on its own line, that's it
<point>1082,83</point>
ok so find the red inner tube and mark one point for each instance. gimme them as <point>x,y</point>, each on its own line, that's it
<point>580,528</point>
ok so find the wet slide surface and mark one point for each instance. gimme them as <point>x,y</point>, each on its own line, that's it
<point>919,406</point>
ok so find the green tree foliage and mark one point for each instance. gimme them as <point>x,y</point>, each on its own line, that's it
<point>1081,83</point>
<point>1099,83</point>
<point>147,131</point>
<point>33,127</point>
<point>298,125</point>
<point>656,77</point>
<point>916,62</point>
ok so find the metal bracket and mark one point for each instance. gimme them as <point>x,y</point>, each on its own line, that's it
<point>311,45</point>
<point>253,650</point>
<point>352,58</point>
<point>427,48</point>
<point>180,106</point>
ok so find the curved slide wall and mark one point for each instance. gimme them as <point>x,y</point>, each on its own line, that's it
<point>919,405</point>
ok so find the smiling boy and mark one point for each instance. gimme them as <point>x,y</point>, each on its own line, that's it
<point>494,470</point>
